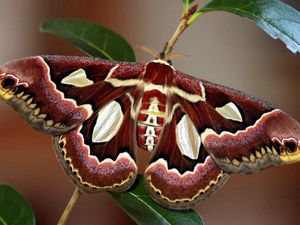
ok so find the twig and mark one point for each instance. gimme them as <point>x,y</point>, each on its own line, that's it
<point>169,45</point>
<point>183,24</point>
<point>63,219</point>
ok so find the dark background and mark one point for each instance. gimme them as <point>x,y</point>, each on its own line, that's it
<point>223,48</point>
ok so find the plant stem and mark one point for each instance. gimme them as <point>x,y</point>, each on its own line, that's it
<point>183,24</point>
<point>63,219</point>
<point>169,45</point>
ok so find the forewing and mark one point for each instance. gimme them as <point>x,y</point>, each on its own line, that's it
<point>180,172</point>
<point>54,94</point>
<point>242,134</point>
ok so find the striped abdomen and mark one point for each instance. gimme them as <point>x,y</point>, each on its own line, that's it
<point>151,119</point>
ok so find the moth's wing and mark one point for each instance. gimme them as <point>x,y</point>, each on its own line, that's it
<point>180,172</point>
<point>100,154</point>
<point>86,103</point>
<point>241,133</point>
<point>54,94</point>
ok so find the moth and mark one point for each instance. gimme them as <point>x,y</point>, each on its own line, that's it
<point>100,113</point>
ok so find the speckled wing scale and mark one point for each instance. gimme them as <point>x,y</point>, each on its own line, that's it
<point>100,112</point>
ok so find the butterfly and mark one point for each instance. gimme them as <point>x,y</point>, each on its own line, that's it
<point>100,113</point>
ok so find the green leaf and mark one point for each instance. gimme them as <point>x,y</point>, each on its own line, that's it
<point>14,208</point>
<point>276,18</point>
<point>91,38</point>
<point>144,211</point>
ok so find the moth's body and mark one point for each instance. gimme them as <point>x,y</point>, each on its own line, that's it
<point>151,118</point>
<point>100,111</point>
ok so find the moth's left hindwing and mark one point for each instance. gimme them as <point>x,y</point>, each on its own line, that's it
<point>100,154</point>
<point>69,98</point>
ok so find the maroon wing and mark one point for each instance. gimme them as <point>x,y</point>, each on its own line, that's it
<point>84,102</point>
<point>210,131</point>
<point>57,93</point>
<point>241,133</point>
<point>100,154</point>
<point>180,172</point>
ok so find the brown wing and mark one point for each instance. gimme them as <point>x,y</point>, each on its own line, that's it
<point>242,134</point>
<point>100,154</point>
<point>54,94</point>
<point>180,172</point>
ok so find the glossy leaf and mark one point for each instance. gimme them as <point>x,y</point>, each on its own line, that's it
<point>91,38</point>
<point>14,208</point>
<point>144,211</point>
<point>276,18</point>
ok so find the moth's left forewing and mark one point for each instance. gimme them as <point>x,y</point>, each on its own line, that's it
<point>55,94</point>
<point>27,85</point>
<point>93,81</point>
<point>100,154</point>
<point>245,134</point>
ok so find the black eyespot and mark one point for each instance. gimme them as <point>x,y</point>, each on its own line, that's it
<point>277,147</point>
<point>8,83</point>
<point>291,146</point>
<point>61,144</point>
<point>19,90</point>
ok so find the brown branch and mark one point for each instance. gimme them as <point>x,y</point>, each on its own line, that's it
<point>170,44</point>
<point>64,217</point>
<point>183,24</point>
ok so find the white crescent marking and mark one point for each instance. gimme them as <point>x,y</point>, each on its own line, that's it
<point>108,123</point>
<point>187,138</point>
<point>230,111</point>
<point>78,79</point>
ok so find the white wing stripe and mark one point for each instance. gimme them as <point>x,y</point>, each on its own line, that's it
<point>78,79</point>
<point>187,138</point>
<point>108,123</point>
